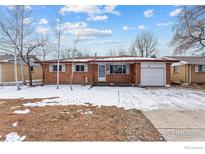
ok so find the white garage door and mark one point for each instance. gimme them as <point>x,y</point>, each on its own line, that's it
<point>153,75</point>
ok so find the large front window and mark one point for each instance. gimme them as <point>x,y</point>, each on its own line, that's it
<point>118,69</point>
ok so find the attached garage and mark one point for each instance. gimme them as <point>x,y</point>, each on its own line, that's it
<point>153,74</point>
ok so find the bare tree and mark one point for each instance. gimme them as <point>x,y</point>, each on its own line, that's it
<point>27,41</point>
<point>145,45</point>
<point>66,53</point>
<point>73,56</point>
<point>189,31</point>
<point>15,54</point>
<point>112,52</point>
<point>45,50</point>
<point>58,48</point>
<point>11,47</point>
<point>122,52</point>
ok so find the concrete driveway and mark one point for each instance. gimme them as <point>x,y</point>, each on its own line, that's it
<point>188,125</point>
<point>181,122</point>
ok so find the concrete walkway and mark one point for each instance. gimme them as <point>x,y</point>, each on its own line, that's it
<point>174,125</point>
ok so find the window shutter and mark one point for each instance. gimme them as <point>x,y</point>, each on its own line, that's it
<point>107,69</point>
<point>50,67</point>
<point>196,68</point>
<point>73,68</point>
<point>63,67</point>
<point>86,67</point>
<point>127,69</point>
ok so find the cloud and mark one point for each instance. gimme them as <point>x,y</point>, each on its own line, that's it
<point>43,21</point>
<point>93,12</point>
<point>141,27</point>
<point>97,18</point>
<point>70,25</point>
<point>149,13</point>
<point>43,30</point>
<point>91,33</point>
<point>81,30</point>
<point>111,9</point>
<point>126,28</point>
<point>88,9</point>
<point>27,21</point>
<point>175,12</point>
<point>165,24</point>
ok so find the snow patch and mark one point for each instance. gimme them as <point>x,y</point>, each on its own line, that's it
<point>13,107</point>
<point>129,97</point>
<point>87,112</point>
<point>15,124</point>
<point>22,111</point>
<point>14,137</point>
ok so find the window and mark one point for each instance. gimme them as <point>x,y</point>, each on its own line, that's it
<point>55,68</point>
<point>79,68</point>
<point>201,68</point>
<point>176,69</point>
<point>32,68</point>
<point>118,69</point>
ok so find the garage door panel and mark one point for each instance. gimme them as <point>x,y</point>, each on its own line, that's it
<point>152,76</point>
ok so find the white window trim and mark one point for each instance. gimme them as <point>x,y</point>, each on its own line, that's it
<point>85,67</point>
<point>62,65</point>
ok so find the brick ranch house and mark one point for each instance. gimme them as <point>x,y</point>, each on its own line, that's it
<point>124,70</point>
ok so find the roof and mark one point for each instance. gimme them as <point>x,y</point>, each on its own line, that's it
<point>188,59</point>
<point>7,57</point>
<point>111,59</point>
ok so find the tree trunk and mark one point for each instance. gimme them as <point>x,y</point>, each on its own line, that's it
<point>15,72</point>
<point>23,72</point>
<point>30,74</point>
<point>43,70</point>
<point>15,55</point>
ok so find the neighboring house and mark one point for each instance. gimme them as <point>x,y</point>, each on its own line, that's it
<point>7,69</point>
<point>118,70</point>
<point>188,70</point>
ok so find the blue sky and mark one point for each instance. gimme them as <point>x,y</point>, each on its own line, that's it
<point>101,28</point>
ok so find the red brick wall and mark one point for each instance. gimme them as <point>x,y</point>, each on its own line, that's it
<point>168,73</point>
<point>78,77</point>
<point>118,78</point>
<point>92,75</point>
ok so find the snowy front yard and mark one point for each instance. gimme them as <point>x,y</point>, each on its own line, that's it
<point>94,114</point>
<point>128,97</point>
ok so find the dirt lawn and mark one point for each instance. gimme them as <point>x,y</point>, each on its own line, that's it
<point>75,123</point>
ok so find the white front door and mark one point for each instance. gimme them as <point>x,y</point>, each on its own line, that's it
<point>0,73</point>
<point>101,73</point>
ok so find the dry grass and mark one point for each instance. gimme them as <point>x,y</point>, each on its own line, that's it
<point>75,123</point>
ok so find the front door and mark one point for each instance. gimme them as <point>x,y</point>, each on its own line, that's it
<point>101,73</point>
